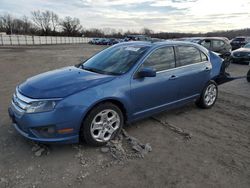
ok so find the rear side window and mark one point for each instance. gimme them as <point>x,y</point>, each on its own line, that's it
<point>218,43</point>
<point>161,59</point>
<point>188,55</point>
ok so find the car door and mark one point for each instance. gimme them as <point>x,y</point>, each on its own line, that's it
<point>154,93</point>
<point>193,71</point>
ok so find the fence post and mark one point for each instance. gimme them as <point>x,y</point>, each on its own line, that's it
<point>25,38</point>
<point>10,39</point>
<point>2,39</point>
<point>18,42</point>
<point>33,41</point>
<point>40,40</point>
<point>51,39</point>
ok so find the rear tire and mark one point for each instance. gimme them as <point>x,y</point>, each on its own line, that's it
<point>209,95</point>
<point>248,76</point>
<point>102,124</point>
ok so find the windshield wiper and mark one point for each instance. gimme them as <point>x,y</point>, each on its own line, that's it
<point>98,71</point>
<point>91,69</point>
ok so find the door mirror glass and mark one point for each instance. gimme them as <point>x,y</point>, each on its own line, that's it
<point>146,72</point>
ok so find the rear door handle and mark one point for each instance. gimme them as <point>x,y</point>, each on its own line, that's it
<point>173,77</point>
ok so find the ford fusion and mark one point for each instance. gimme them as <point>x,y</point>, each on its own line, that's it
<point>121,84</point>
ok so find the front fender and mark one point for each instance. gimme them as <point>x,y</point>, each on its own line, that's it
<point>88,98</point>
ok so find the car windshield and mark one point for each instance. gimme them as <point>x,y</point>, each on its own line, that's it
<point>115,60</point>
<point>247,45</point>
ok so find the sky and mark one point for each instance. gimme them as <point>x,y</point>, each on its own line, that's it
<point>159,15</point>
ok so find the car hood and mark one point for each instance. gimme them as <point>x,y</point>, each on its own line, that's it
<point>61,83</point>
<point>242,50</point>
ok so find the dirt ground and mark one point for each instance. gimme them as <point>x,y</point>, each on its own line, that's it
<point>216,155</point>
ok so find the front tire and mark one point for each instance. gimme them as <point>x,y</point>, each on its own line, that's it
<point>102,124</point>
<point>209,96</point>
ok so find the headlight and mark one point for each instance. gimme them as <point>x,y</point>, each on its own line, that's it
<point>41,106</point>
<point>235,54</point>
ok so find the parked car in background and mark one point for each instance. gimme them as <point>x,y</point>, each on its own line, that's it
<point>112,41</point>
<point>121,84</point>
<point>102,41</point>
<point>94,41</point>
<point>136,38</point>
<point>220,45</point>
<point>238,42</point>
<point>156,40</point>
<point>241,55</point>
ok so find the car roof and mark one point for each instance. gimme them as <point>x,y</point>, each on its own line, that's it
<point>219,38</point>
<point>162,43</point>
<point>242,37</point>
<point>204,38</point>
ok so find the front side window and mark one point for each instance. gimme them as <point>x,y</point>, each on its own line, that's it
<point>161,59</point>
<point>206,43</point>
<point>203,57</point>
<point>188,55</point>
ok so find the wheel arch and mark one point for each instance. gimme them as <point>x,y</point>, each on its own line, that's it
<point>114,101</point>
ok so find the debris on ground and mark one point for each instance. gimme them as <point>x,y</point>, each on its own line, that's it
<point>83,176</point>
<point>104,149</point>
<point>80,155</point>
<point>173,128</point>
<point>40,149</point>
<point>4,181</point>
<point>126,147</point>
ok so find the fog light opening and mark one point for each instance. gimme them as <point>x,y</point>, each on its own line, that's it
<point>65,130</point>
<point>45,132</point>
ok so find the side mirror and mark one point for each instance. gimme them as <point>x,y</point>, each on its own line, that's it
<point>227,54</point>
<point>146,72</point>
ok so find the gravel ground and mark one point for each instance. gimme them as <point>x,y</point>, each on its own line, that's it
<point>186,147</point>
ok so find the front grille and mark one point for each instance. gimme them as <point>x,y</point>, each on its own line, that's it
<point>19,101</point>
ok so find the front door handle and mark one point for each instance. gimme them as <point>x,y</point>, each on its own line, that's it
<point>173,77</point>
<point>207,69</point>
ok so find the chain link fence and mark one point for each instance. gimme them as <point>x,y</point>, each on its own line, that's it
<point>40,40</point>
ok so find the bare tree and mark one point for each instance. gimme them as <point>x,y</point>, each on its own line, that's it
<point>147,31</point>
<point>42,20</point>
<point>93,33</point>
<point>27,25</point>
<point>2,29</point>
<point>54,21</point>
<point>7,23</point>
<point>71,26</point>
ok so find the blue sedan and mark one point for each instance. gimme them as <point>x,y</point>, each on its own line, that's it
<point>121,84</point>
